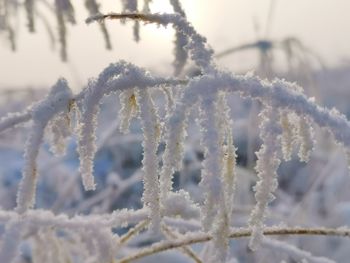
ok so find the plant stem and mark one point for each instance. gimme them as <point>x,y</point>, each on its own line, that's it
<point>245,232</point>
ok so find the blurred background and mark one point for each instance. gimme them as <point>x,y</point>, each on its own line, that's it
<point>322,26</point>
<point>303,41</point>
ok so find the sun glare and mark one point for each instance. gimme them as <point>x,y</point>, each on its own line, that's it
<point>161,6</point>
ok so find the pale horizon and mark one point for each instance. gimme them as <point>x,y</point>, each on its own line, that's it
<point>324,29</point>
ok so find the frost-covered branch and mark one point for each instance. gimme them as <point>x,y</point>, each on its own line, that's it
<point>200,53</point>
<point>93,228</point>
<point>44,218</point>
<point>117,77</point>
<point>151,132</point>
<point>14,119</point>
<point>56,102</point>
<point>180,41</point>
<point>266,168</point>
<point>278,94</point>
<point>122,76</point>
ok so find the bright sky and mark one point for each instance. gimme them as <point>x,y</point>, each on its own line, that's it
<point>323,25</point>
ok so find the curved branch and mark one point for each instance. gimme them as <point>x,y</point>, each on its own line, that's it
<point>13,119</point>
<point>201,54</point>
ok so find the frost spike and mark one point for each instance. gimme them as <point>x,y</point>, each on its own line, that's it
<point>287,135</point>
<point>128,109</point>
<point>180,41</point>
<point>176,132</point>
<point>266,168</point>
<point>60,128</point>
<point>305,138</point>
<point>212,166</point>
<point>57,101</point>
<point>222,222</point>
<point>151,132</point>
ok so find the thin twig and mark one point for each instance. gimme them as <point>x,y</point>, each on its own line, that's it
<point>186,250</point>
<point>200,238</point>
<point>133,231</point>
<point>120,16</point>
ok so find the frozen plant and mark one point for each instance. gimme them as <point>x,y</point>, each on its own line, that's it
<point>174,219</point>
